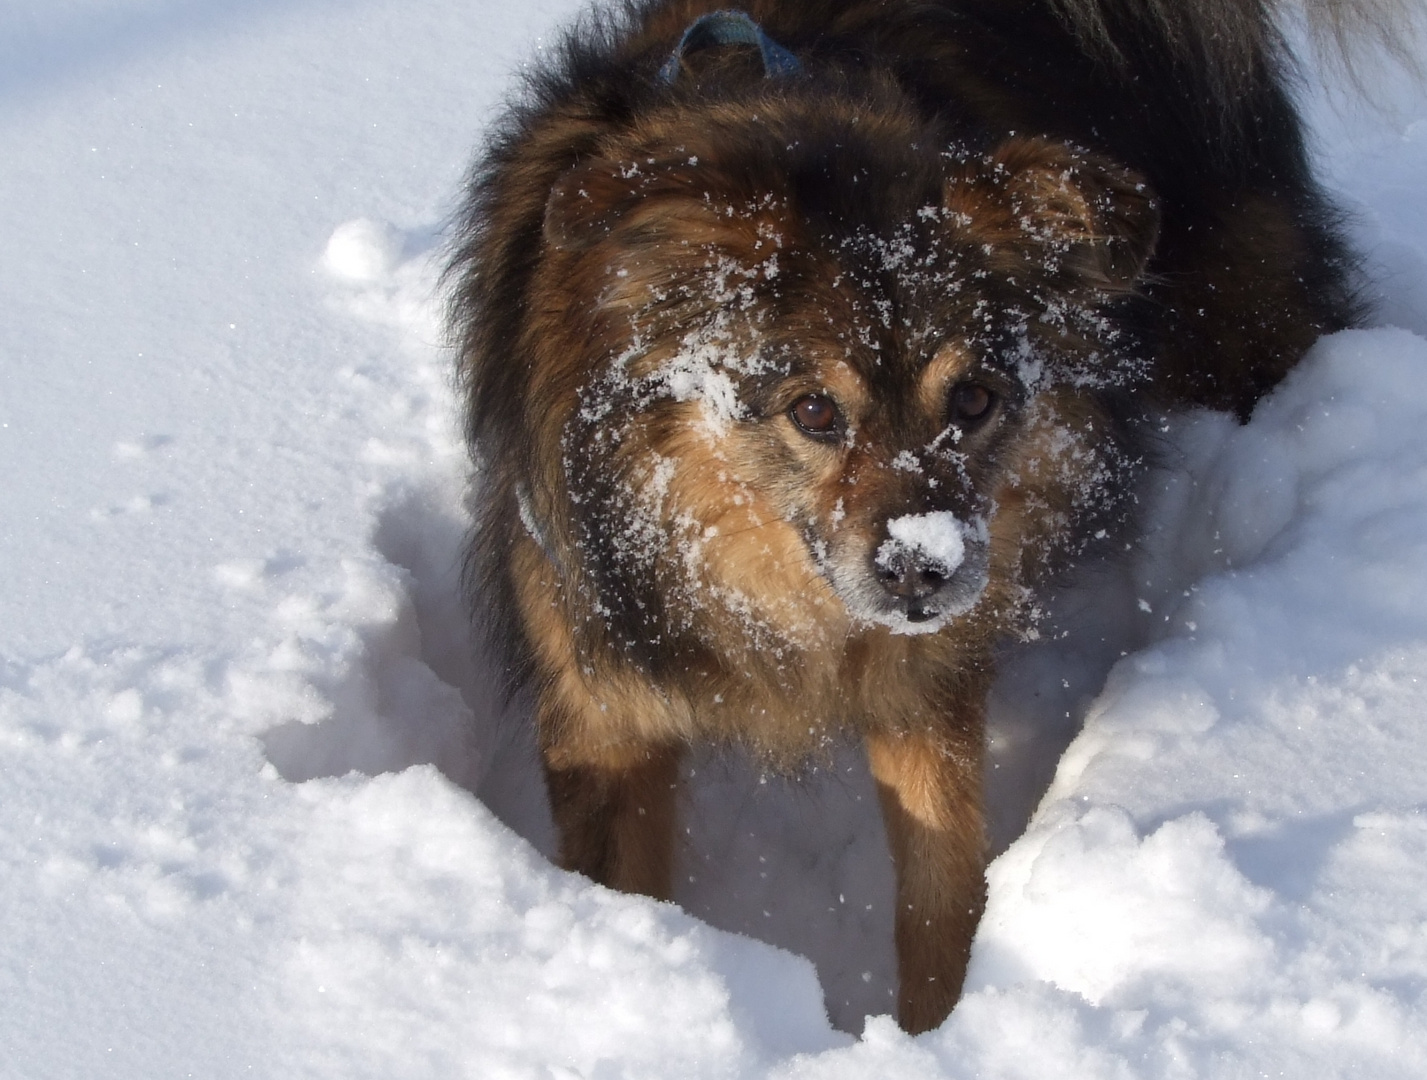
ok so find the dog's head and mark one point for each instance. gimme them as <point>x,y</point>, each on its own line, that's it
<point>809,373</point>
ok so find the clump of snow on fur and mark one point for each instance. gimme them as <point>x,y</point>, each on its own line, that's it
<point>699,375</point>
<point>907,461</point>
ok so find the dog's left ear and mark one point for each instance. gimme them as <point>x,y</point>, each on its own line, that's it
<point>1059,209</point>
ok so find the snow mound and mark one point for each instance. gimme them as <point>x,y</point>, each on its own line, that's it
<point>1229,851</point>
<point>363,250</point>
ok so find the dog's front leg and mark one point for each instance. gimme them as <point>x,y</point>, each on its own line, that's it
<point>615,814</point>
<point>930,790</point>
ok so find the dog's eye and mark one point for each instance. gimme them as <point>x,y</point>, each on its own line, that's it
<point>815,413</point>
<point>971,403</point>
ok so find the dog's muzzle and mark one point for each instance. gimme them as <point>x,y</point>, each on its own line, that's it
<point>932,567</point>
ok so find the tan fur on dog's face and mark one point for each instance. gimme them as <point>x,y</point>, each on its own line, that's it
<point>780,426</point>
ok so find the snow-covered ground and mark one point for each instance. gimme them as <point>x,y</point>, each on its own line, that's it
<point>240,721</point>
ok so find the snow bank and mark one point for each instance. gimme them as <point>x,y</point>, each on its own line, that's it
<point>241,716</point>
<point>1231,850</point>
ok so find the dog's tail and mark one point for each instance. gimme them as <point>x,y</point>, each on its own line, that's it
<point>1229,42</point>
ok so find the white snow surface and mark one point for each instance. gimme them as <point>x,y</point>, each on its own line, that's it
<point>260,812</point>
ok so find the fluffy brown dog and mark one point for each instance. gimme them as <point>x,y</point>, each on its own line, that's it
<point>802,346</point>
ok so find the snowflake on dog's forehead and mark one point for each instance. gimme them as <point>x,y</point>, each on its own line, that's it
<point>702,329</point>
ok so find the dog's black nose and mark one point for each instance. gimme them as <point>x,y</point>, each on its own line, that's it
<point>908,575</point>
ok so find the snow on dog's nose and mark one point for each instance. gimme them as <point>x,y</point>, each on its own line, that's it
<point>918,562</point>
<point>921,544</point>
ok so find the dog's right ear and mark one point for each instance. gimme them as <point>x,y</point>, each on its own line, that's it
<point>584,203</point>
<point>591,198</point>
<point>645,200</point>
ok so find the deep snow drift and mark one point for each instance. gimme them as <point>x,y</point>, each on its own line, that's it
<point>240,718</point>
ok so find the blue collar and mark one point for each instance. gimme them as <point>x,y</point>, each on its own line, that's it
<point>729,28</point>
